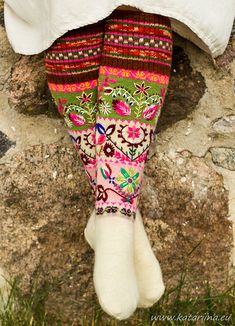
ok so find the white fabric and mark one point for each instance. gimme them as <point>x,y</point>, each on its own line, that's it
<point>148,270</point>
<point>114,271</point>
<point>33,25</point>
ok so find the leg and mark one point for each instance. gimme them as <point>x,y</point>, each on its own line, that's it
<point>133,78</point>
<point>72,66</point>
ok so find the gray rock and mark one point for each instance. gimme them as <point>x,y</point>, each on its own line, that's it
<point>224,157</point>
<point>7,59</point>
<point>185,90</point>
<point>1,16</point>
<point>224,125</point>
<point>5,144</point>
<point>28,91</point>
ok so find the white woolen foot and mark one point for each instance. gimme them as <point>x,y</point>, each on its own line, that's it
<point>148,271</point>
<point>114,272</point>
<point>89,231</point>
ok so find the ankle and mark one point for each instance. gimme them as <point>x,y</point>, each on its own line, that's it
<point>119,212</point>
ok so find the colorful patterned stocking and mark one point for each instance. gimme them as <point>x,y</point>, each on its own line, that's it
<point>133,78</point>
<point>72,66</point>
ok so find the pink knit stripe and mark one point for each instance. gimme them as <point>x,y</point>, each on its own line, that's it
<point>79,49</point>
<point>82,36</point>
<point>69,73</point>
<point>77,60</point>
<point>141,35</point>
<point>138,47</point>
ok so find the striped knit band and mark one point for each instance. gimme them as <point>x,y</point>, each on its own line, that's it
<point>133,79</point>
<point>75,57</point>
<point>140,41</point>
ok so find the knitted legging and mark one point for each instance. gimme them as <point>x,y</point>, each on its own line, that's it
<point>109,81</point>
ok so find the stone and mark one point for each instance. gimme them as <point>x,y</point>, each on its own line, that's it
<point>45,199</point>
<point>186,88</point>
<point>46,217</point>
<point>1,15</point>
<point>224,61</point>
<point>223,157</point>
<point>28,91</point>
<point>5,144</point>
<point>185,211</point>
<point>224,125</point>
<point>27,85</point>
<point>7,59</point>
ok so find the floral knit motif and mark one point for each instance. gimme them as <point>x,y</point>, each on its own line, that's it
<point>72,66</point>
<point>133,79</point>
<point>109,82</point>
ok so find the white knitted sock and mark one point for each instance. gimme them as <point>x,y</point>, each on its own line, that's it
<point>89,231</point>
<point>148,271</point>
<point>114,272</point>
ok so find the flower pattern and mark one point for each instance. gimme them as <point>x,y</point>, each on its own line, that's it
<point>124,132</point>
<point>122,135</point>
<point>77,120</point>
<point>85,98</point>
<point>128,179</point>
<point>102,193</point>
<point>142,89</point>
<point>133,132</point>
<point>111,119</point>
<point>104,107</point>
<point>121,107</point>
<point>109,150</point>
<point>85,159</point>
<point>150,112</point>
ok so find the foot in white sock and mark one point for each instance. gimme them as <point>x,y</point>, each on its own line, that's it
<point>89,231</point>
<point>148,271</point>
<point>114,272</point>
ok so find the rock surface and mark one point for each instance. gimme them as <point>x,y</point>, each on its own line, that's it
<point>225,125</point>
<point>46,200</point>
<point>188,199</point>
<point>5,144</point>
<point>224,157</point>
<point>186,88</point>
<point>7,59</point>
<point>28,91</point>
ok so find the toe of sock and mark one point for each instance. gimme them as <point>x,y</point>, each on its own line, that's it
<point>151,297</point>
<point>118,310</point>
